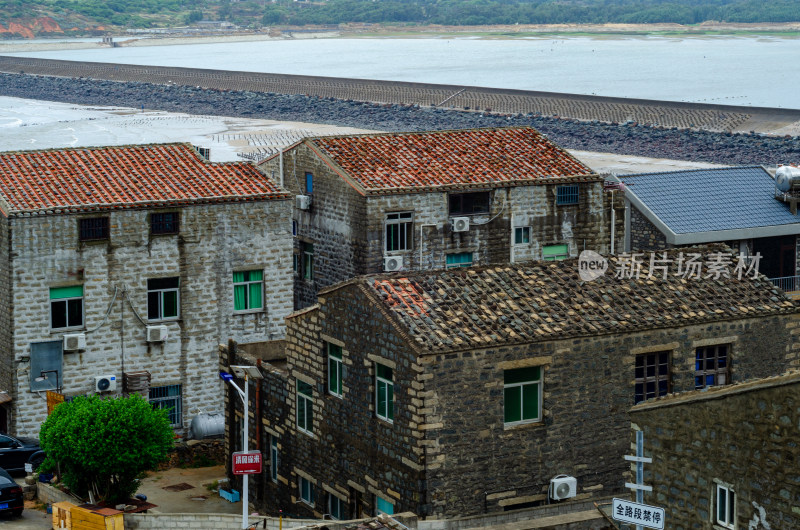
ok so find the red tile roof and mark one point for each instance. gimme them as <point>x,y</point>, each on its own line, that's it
<point>120,177</point>
<point>449,159</point>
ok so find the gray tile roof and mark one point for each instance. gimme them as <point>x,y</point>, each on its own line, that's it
<point>712,200</point>
<point>480,307</point>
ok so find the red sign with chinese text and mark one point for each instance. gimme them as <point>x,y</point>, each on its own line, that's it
<point>246,463</point>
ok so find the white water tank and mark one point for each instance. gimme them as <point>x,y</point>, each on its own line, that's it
<point>787,178</point>
<point>207,426</point>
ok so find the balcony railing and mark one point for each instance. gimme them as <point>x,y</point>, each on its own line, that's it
<point>789,284</point>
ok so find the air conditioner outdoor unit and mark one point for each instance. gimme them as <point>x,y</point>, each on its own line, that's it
<point>303,202</point>
<point>74,341</point>
<point>156,333</point>
<point>563,487</point>
<point>459,224</point>
<point>105,383</point>
<point>392,263</point>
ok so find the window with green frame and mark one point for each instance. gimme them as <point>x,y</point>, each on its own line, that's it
<point>66,307</point>
<point>461,259</point>
<point>555,252</point>
<point>383,506</point>
<point>522,395</point>
<point>384,392</point>
<point>334,369</point>
<point>305,407</point>
<point>248,287</point>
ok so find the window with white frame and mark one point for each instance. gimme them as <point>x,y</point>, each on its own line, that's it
<point>168,397</point>
<point>725,506</point>
<point>522,235</point>
<point>334,369</point>
<point>66,307</point>
<point>307,261</point>
<point>384,392</point>
<point>399,231</point>
<point>522,395</point>
<point>308,491</point>
<point>248,288</point>
<point>163,298</point>
<point>336,507</point>
<point>383,506</point>
<point>305,407</point>
<point>273,458</point>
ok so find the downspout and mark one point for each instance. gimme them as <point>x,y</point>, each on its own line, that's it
<point>511,254</point>
<point>258,408</point>
<point>613,221</point>
<point>280,165</point>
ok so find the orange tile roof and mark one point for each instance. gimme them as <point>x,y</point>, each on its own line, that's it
<point>448,159</point>
<point>122,177</point>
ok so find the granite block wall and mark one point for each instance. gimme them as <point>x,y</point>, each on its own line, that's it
<point>214,241</point>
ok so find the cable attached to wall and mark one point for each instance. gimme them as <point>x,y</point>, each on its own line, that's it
<point>108,312</point>
<point>495,216</point>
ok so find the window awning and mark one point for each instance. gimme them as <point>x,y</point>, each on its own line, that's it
<point>5,397</point>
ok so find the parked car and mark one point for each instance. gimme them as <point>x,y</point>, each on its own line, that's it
<point>10,494</point>
<point>16,452</point>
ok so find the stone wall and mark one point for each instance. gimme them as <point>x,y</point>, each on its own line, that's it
<point>474,463</point>
<point>214,241</point>
<point>348,230</point>
<point>744,436</point>
<point>644,235</point>
<point>448,452</point>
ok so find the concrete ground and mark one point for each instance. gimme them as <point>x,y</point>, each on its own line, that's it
<point>197,499</point>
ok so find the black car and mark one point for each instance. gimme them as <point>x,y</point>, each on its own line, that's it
<point>10,494</point>
<point>16,452</point>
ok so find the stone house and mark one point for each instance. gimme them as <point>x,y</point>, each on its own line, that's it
<point>430,200</point>
<point>123,268</point>
<point>735,205</point>
<point>465,391</point>
<point>726,458</point>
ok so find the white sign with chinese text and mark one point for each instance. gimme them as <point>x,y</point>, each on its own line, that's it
<point>640,514</point>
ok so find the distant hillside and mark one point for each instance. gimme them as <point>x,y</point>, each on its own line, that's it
<point>24,18</point>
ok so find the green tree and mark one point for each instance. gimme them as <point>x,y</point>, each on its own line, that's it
<point>104,445</point>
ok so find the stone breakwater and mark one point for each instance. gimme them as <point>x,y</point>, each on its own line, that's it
<point>626,138</point>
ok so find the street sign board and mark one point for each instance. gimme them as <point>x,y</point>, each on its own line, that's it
<point>246,462</point>
<point>639,514</point>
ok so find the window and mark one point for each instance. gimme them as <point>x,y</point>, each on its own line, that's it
<point>522,235</point>
<point>294,227</point>
<point>399,231</point>
<point>93,229</point>
<point>164,223</point>
<point>555,252</point>
<point>66,307</point>
<point>307,260</point>
<point>308,492</point>
<point>522,395</point>
<point>163,298</point>
<point>334,369</point>
<point>469,203</point>
<point>309,183</point>
<point>383,506</point>
<point>711,366</point>
<point>305,407</point>
<point>168,397</point>
<point>566,195</point>
<point>462,259</point>
<point>652,375</point>
<point>247,290</point>
<point>335,507</point>
<point>273,458</point>
<point>725,512</point>
<point>384,393</point>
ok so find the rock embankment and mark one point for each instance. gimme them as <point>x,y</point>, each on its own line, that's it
<point>627,138</point>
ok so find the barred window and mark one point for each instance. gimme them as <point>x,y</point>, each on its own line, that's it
<point>168,397</point>
<point>164,223</point>
<point>566,195</point>
<point>93,229</point>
